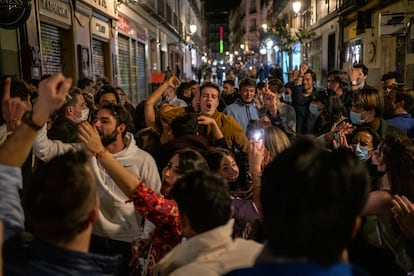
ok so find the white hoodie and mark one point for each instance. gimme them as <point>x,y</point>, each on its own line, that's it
<point>117,220</point>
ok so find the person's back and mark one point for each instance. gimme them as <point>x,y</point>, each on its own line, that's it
<point>61,207</point>
<point>205,209</point>
<point>311,200</point>
<point>398,103</point>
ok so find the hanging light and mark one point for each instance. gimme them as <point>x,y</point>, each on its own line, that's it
<point>269,44</point>
<point>193,28</point>
<point>296,6</point>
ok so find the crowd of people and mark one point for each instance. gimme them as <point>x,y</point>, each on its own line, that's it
<point>268,178</point>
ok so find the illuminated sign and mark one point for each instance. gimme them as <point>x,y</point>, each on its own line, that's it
<point>221,40</point>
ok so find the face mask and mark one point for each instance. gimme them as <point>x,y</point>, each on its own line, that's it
<point>360,152</point>
<point>313,108</point>
<point>355,118</point>
<point>287,98</point>
<point>84,116</point>
<point>165,98</point>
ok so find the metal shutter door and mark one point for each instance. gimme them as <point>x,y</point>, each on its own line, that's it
<point>142,77</point>
<point>98,58</point>
<point>124,64</point>
<point>134,74</point>
<point>51,49</point>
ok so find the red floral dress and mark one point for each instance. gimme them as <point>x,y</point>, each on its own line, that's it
<point>163,213</point>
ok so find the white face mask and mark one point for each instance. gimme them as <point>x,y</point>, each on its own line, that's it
<point>84,116</point>
<point>313,108</point>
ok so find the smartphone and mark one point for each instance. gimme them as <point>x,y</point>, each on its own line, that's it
<point>337,139</point>
<point>257,135</point>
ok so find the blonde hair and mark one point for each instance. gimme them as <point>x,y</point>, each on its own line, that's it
<point>275,141</point>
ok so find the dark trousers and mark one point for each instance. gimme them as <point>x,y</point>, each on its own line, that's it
<point>105,246</point>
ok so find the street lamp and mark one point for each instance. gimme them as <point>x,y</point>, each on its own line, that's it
<point>296,6</point>
<point>193,28</point>
<point>269,44</point>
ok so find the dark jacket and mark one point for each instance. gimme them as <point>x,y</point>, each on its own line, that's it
<point>304,119</point>
<point>25,256</point>
<point>226,100</point>
<point>300,268</point>
<point>64,130</point>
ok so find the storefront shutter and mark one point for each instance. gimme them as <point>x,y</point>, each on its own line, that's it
<point>124,64</point>
<point>142,77</point>
<point>98,58</point>
<point>134,73</point>
<point>51,49</point>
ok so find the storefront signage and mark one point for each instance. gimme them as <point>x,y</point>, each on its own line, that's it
<point>130,28</point>
<point>100,28</point>
<point>105,6</point>
<point>14,13</point>
<point>55,9</point>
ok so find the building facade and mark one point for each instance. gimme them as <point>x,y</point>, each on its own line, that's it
<point>126,41</point>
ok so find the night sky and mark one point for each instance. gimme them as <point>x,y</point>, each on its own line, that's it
<point>221,4</point>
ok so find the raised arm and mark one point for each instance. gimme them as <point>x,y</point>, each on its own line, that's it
<point>145,199</point>
<point>14,151</point>
<point>153,98</point>
<point>256,156</point>
<point>126,181</point>
<point>52,93</point>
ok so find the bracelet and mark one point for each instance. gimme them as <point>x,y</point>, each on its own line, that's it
<point>100,154</point>
<point>29,121</point>
<point>256,174</point>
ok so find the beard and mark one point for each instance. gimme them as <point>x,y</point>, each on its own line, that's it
<point>108,139</point>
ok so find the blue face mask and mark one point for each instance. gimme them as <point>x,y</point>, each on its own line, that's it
<point>355,118</point>
<point>360,152</point>
<point>313,108</point>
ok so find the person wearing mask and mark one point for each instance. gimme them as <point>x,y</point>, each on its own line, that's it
<point>380,237</point>
<point>73,112</point>
<point>311,202</point>
<point>367,110</point>
<point>358,75</point>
